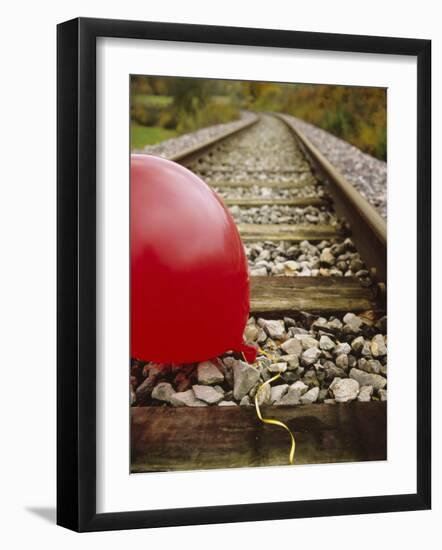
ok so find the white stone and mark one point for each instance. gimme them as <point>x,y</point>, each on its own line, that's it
<point>345,389</point>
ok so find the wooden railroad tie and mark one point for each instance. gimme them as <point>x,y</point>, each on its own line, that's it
<point>300,201</point>
<point>168,438</point>
<point>282,295</point>
<point>288,232</point>
<point>272,184</point>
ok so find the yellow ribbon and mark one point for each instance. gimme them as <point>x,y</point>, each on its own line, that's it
<point>272,421</point>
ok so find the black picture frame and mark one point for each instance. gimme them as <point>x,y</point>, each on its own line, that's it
<point>76,273</point>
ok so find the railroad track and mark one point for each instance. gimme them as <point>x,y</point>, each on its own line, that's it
<point>317,256</point>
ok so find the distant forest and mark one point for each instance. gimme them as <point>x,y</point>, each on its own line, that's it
<point>163,107</point>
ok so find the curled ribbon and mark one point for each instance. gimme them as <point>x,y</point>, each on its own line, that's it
<point>272,421</point>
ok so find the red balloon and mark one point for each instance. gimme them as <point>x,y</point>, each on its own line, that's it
<point>189,275</point>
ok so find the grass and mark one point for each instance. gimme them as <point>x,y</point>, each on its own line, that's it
<point>140,136</point>
<point>153,100</point>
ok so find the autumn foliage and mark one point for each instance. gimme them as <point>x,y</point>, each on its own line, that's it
<point>355,114</point>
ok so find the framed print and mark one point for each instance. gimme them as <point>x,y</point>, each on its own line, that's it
<point>239,213</point>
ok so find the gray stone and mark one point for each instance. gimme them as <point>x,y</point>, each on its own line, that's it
<point>373,366</point>
<point>308,341</point>
<point>229,362</point>
<point>144,390</point>
<point>342,348</point>
<point>292,361</point>
<point>264,361</point>
<point>209,374</point>
<point>278,268</point>
<point>244,378</point>
<point>263,393</point>
<point>290,267</point>
<point>207,394</point>
<point>322,394</point>
<point>300,387</point>
<point>290,376</point>
<point>153,370</point>
<point>329,401</point>
<point>186,399</point>
<point>356,264</point>
<point>292,346</point>
<point>366,349</point>
<point>344,390</point>
<point>294,331</point>
<point>163,392</point>
<point>310,397</point>
<point>289,322</point>
<point>363,364</point>
<point>357,344</point>
<point>365,379</point>
<point>327,257</point>
<point>274,328</point>
<point>326,343</point>
<point>378,347</point>
<point>246,401</point>
<point>277,367</point>
<point>310,356</point>
<point>334,324</point>
<point>381,324</point>
<point>319,323</point>
<point>365,393</point>
<point>290,398</point>
<point>332,371</point>
<point>382,395</point>
<point>251,333</point>
<point>310,378</point>
<point>277,392</point>
<point>342,361</point>
<point>227,404</point>
<point>258,272</point>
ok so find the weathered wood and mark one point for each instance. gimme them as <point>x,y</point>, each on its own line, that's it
<point>314,294</point>
<point>299,201</point>
<point>287,232</point>
<point>167,438</point>
<point>272,184</point>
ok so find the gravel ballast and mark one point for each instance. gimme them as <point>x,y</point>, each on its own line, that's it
<point>320,360</point>
<point>266,152</point>
<point>366,173</point>
<point>173,146</point>
<point>337,258</point>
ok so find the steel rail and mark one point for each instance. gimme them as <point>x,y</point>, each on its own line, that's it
<point>201,148</point>
<point>369,229</point>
